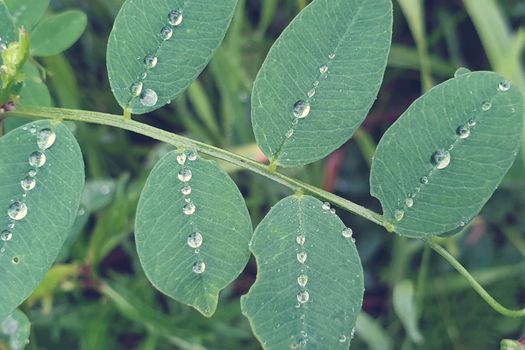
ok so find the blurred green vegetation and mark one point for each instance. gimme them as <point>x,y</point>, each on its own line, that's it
<point>97,297</point>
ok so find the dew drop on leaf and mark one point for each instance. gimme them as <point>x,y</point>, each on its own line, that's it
<point>347,232</point>
<point>326,206</point>
<point>471,122</point>
<point>303,297</point>
<point>409,202</point>
<point>300,239</point>
<point>504,86</point>
<point>17,210</point>
<point>301,109</point>
<point>150,61</point>
<point>189,208</point>
<point>199,267</point>
<point>195,240</point>
<point>28,183</point>
<point>486,105</point>
<point>37,159</point>
<point>166,33</point>
<point>184,175</point>
<point>6,235</point>
<point>32,172</point>
<point>441,159</point>
<point>398,215</point>
<point>460,71</point>
<point>463,132</point>
<point>301,257</point>
<point>186,190</point>
<point>323,69</point>
<point>302,280</point>
<point>148,97</point>
<point>342,338</point>
<point>175,18</point>
<point>192,156</point>
<point>45,138</point>
<point>181,159</point>
<point>136,88</point>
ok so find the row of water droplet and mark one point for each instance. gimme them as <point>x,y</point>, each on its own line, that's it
<point>148,97</point>
<point>301,108</point>
<point>441,158</point>
<point>17,210</point>
<point>195,239</point>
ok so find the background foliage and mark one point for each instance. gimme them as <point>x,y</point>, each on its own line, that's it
<point>97,297</point>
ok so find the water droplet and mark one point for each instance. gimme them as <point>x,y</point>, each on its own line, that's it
<point>186,190</point>
<point>136,88</point>
<point>148,97</point>
<point>323,69</point>
<point>342,338</point>
<point>32,172</point>
<point>289,133</point>
<point>347,232</point>
<point>199,267</point>
<point>6,235</point>
<point>181,158</point>
<point>166,33</point>
<point>192,156</point>
<point>17,210</point>
<point>461,71</point>
<point>332,210</point>
<point>423,180</point>
<point>316,83</point>
<point>486,105</point>
<point>441,159</point>
<point>303,297</point>
<point>302,280</point>
<point>463,132</point>
<point>300,239</point>
<point>184,175</point>
<point>37,159</point>
<point>150,61</point>
<point>301,257</point>
<point>144,75</point>
<point>301,109</point>
<point>32,130</point>
<point>28,183</point>
<point>195,240</point>
<point>45,138</point>
<point>504,86</point>
<point>3,47</point>
<point>471,122</point>
<point>175,17</point>
<point>409,202</point>
<point>311,93</point>
<point>331,56</point>
<point>294,346</point>
<point>398,215</point>
<point>326,206</point>
<point>189,208</point>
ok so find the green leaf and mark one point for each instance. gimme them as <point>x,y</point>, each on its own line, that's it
<point>57,33</point>
<point>166,223</point>
<point>371,332</point>
<point>314,303</point>
<point>418,197</point>
<point>15,330</point>
<point>7,27</point>
<point>404,301</point>
<point>34,241</point>
<point>26,13</point>
<point>302,62</point>
<point>35,91</point>
<point>179,59</point>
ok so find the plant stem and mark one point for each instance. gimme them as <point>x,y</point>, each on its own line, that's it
<point>474,284</point>
<point>181,141</point>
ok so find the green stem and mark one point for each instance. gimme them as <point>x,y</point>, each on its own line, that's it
<point>474,284</point>
<point>181,141</point>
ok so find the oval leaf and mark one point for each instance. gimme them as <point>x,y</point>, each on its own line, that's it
<point>309,286</point>
<point>320,79</point>
<point>192,230</point>
<point>178,48</point>
<point>39,217</point>
<point>14,331</point>
<point>57,33</point>
<point>437,166</point>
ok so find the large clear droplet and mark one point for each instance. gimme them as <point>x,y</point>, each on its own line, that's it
<point>326,206</point>
<point>409,202</point>
<point>17,211</point>
<point>45,138</point>
<point>28,183</point>
<point>6,235</point>
<point>175,17</point>
<point>37,159</point>
<point>301,257</point>
<point>148,97</point>
<point>300,239</point>
<point>461,71</point>
<point>166,33</point>
<point>192,156</point>
<point>504,86</point>
<point>136,88</point>
<point>441,159</point>
<point>181,158</point>
<point>184,175</point>
<point>199,267</point>
<point>189,208</point>
<point>195,240</point>
<point>302,280</point>
<point>301,109</point>
<point>463,132</point>
<point>150,61</point>
<point>347,232</point>
<point>186,190</point>
<point>303,297</point>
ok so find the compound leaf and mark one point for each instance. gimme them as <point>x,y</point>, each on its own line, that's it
<point>440,162</point>
<point>57,33</point>
<point>175,37</point>
<point>320,79</point>
<point>192,230</point>
<point>39,193</point>
<point>309,286</point>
